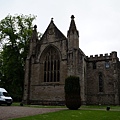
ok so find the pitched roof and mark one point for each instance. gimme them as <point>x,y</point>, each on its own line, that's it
<point>53,30</point>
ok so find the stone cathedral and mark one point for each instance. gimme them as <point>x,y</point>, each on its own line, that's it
<point>55,57</point>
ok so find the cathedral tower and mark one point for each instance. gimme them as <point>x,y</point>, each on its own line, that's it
<point>73,48</point>
<point>73,35</point>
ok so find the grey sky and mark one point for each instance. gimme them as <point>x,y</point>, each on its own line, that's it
<point>98,21</point>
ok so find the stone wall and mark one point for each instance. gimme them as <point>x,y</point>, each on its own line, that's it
<point>47,93</point>
<point>106,66</point>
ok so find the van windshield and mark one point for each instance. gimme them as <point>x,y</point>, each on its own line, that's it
<point>1,94</point>
<point>6,94</point>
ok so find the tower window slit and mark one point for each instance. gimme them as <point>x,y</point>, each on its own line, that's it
<point>100,82</point>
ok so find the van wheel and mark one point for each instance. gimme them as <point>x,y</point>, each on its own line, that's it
<point>9,104</point>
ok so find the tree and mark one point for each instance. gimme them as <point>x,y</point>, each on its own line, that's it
<point>72,92</point>
<point>15,32</point>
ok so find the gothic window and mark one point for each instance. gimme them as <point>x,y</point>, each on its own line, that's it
<point>100,82</point>
<point>52,66</point>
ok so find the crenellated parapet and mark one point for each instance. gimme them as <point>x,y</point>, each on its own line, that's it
<point>103,57</point>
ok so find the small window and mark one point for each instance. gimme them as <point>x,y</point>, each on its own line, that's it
<point>107,64</point>
<point>100,82</point>
<point>94,65</point>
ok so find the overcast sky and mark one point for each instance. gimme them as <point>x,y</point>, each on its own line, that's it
<point>98,21</point>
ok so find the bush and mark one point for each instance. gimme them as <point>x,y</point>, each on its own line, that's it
<point>72,92</point>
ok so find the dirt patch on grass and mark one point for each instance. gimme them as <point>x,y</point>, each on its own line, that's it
<point>9,112</point>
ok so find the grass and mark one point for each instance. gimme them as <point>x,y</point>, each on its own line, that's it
<point>116,108</point>
<point>84,113</point>
<point>76,115</point>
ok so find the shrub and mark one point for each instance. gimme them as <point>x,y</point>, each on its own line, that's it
<point>72,92</point>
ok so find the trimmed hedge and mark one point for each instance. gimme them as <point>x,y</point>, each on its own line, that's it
<point>72,92</point>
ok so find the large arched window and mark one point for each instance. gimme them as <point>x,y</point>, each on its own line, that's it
<point>100,82</point>
<point>51,66</point>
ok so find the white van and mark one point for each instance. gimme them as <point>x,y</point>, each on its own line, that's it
<point>4,97</point>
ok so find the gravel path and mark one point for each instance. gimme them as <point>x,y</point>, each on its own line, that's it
<point>8,112</point>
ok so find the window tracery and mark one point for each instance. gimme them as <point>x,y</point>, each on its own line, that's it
<point>52,66</point>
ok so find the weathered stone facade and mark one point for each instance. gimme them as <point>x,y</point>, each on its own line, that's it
<point>54,57</point>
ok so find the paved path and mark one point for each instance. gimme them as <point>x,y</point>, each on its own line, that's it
<point>7,112</point>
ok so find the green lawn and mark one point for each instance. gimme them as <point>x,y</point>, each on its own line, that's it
<point>81,114</point>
